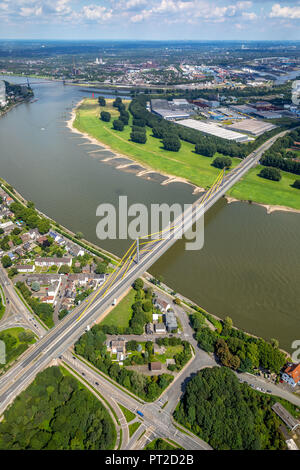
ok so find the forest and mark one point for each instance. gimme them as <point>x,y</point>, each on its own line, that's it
<point>236,349</point>
<point>56,413</point>
<point>229,415</point>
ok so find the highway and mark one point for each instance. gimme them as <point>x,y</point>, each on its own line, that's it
<point>156,418</point>
<point>55,342</point>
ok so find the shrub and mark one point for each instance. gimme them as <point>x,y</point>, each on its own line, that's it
<point>172,142</point>
<point>270,173</point>
<point>222,162</point>
<point>105,116</point>
<point>118,125</point>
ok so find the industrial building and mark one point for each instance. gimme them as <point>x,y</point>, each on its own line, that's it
<point>213,129</point>
<point>171,110</point>
<point>286,417</point>
<point>3,100</point>
<point>252,126</point>
<point>171,322</point>
<point>203,103</point>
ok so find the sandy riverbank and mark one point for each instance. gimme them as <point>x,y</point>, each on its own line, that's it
<point>269,208</point>
<point>147,170</point>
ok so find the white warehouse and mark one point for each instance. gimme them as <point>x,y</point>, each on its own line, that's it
<point>213,129</point>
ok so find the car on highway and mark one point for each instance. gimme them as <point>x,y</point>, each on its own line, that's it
<point>96,383</point>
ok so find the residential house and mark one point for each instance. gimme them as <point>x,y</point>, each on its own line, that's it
<point>291,374</point>
<point>74,250</point>
<point>25,268</point>
<point>34,233</point>
<point>160,328</point>
<point>155,366</point>
<point>162,305</point>
<point>118,346</point>
<point>53,261</point>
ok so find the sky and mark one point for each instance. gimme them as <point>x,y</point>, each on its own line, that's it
<point>150,19</point>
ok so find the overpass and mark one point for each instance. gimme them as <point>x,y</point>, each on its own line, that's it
<point>60,338</point>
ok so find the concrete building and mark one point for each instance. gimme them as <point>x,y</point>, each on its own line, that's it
<point>171,322</point>
<point>252,126</point>
<point>171,111</point>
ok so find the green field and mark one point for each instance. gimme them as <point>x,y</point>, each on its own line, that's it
<point>121,314</point>
<point>15,345</point>
<point>160,444</point>
<point>133,427</point>
<point>185,164</point>
<point>129,416</point>
<point>257,189</point>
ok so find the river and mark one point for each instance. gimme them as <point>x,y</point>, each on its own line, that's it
<point>249,267</point>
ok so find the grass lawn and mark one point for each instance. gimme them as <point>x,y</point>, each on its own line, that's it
<point>169,353</point>
<point>133,427</point>
<point>121,314</point>
<point>129,416</point>
<point>253,187</point>
<point>160,444</point>
<point>13,351</point>
<point>185,164</point>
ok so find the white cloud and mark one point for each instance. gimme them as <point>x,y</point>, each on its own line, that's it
<point>285,12</point>
<point>94,12</point>
<point>35,11</point>
<point>249,16</point>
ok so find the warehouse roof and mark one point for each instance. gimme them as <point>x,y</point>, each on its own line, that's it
<point>213,129</point>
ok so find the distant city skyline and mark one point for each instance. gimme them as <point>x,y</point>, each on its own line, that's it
<point>150,19</point>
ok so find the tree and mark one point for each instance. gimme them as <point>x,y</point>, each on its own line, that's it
<point>222,162</point>
<point>208,149</point>
<point>105,116</point>
<point>101,101</point>
<point>6,261</point>
<point>172,143</point>
<point>64,269</point>
<point>118,125</point>
<point>138,137</point>
<point>79,235</point>
<point>296,184</point>
<point>101,268</point>
<point>270,173</point>
<point>177,301</point>
<point>138,284</point>
<point>147,306</point>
